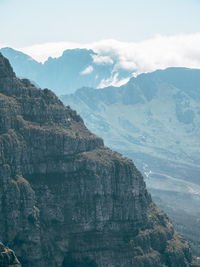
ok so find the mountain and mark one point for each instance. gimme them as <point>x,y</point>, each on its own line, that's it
<point>74,69</point>
<point>158,113</point>
<point>24,65</point>
<point>66,199</point>
<point>155,120</point>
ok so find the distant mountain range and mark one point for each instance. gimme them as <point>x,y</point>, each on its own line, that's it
<point>155,120</point>
<point>74,69</point>
<point>156,113</point>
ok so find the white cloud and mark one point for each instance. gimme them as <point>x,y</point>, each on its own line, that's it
<point>98,59</point>
<point>41,52</point>
<point>112,81</point>
<point>88,70</point>
<point>157,53</point>
<point>3,45</point>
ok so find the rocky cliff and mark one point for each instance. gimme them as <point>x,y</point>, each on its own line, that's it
<point>65,199</point>
<point>155,120</point>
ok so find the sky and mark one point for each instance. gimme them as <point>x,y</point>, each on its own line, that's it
<point>27,22</point>
<point>143,34</point>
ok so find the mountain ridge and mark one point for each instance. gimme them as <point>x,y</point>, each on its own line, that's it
<point>64,74</point>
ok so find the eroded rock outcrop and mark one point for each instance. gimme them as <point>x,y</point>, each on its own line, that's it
<point>65,199</point>
<point>7,257</point>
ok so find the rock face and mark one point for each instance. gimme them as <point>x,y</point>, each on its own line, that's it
<point>7,257</point>
<point>65,199</point>
<point>155,120</point>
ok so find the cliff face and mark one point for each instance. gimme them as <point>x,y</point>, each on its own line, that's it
<point>65,199</point>
<point>154,119</point>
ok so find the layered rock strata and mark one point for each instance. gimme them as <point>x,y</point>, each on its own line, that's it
<point>65,199</point>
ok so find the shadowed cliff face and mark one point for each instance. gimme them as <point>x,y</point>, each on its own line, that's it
<point>65,199</point>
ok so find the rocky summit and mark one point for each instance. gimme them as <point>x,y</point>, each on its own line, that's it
<point>65,199</point>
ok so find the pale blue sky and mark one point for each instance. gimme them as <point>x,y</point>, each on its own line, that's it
<point>27,22</point>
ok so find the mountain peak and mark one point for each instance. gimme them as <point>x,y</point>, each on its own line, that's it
<point>5,68</point>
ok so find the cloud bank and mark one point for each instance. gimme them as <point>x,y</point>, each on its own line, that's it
<point>98,59</point>
<point>157,53</point>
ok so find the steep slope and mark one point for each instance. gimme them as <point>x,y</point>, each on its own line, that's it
<point>74,69</point>
<point>65,199</point>
<point>155,113</point>
<point>24,65</point>
<point>155,120</point>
